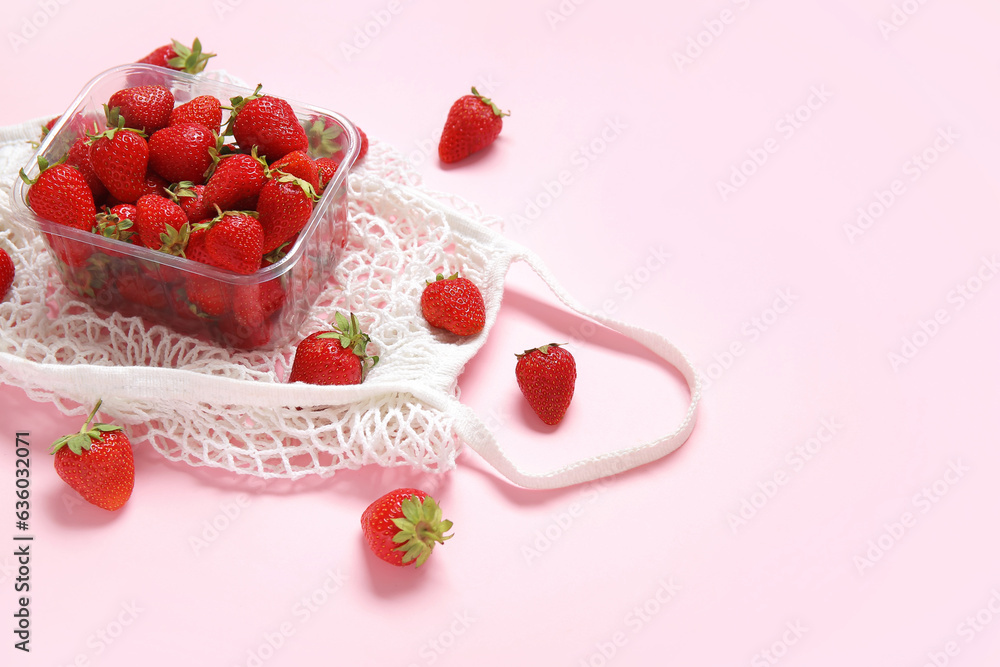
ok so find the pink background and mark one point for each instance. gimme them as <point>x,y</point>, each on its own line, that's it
<point>879,548</point>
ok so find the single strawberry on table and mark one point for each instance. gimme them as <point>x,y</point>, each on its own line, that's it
<point>454,304</point>
<point>403,526</point>
<point>179,57</point>
<point>331,357</point>
<point>97,462</point>
<point>546,376</point>
<point>474,122</point>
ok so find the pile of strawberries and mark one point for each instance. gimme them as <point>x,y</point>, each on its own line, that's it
<point>172,178</point>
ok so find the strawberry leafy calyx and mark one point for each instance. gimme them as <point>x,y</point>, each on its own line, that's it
<point>190,59</point>
<point>236,105</point>
<point>350,335</point>
<point>441,276</point>
<point>43,164</point>
<point>88,435</point>
<point>175,239</point>
<point>117,125</point>
<point>112,226</point>
<point>284,177</point>
<point>544,349</point>
<point>175,191</point>
<point>322,139</point>
<point>488,102</point>
<point>420,528</point>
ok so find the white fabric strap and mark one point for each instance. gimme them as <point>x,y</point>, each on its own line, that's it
<point>471,429</point>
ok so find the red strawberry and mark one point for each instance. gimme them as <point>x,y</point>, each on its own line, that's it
<point>118,222</point>
<point>403,526</point>
<point>474,122</point>
<point>154,184</point>
<point>211,296</point>
<point>298,164</point>
<point>454,304</point>
<point>327,171</point>
<point>205,110</point>
<point>97,462</point>
<point>79,156</point>
<point>363,150</point>
<point>145,108</point>
<point>6,272</point>
<point>60,193</point>
<point>162,224</point>
<point>177,56</point>
<point>284,207</point>
<point>269,123</point>
<point>547,376</point>
<point>236,177</point>
<point>333,357</point>
<point>234,242</point>
<point>141,289</point>
<point>323,134</point>
<point>120,157</point>
<point>182,152</point>
<point>192,199</point>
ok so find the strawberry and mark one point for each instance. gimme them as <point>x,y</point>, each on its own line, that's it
<point>117,223</point>
<point>324,133</point>
<point>192,199</point>
<point>234,242</point>
<point>454,304</point>
<point>403,526</point>
<point>162,224</point>
<point>205,110</point>
<point>284,207</point>
<point>120,157</point>
<point>363,150</point>
<point>141,289</point>
<point>97,462</point>
<point>79,156</point>
<point>327,170</point>
<point>211,296</point>
<point>60,193</point>
<point>6,272</point>
<point>333,357</point>
<point>177,56</point>
<point>235,178</point>
<point>546,376</point>
<point>182,152</point>
<point>474,122</point>
<point>298,164</point>
<point>267,122</point>
<point>145,108</point>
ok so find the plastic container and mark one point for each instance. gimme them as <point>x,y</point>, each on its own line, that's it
<point>116,276</point>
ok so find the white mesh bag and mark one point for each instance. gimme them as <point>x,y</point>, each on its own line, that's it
<point>206,405</point>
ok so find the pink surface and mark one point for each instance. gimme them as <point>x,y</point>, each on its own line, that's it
<point>835,504</point>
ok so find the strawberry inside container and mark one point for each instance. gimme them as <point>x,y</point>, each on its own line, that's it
<point>105,266</point>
